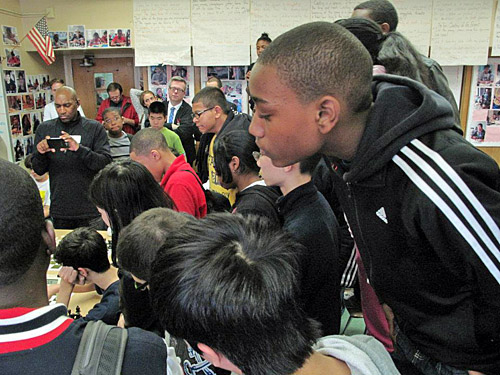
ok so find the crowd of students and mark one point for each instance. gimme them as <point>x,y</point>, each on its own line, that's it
<point>339,161</point>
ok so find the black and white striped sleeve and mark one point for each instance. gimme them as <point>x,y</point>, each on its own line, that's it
<point>460,193</point>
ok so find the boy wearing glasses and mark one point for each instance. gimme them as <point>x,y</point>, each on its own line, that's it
<point>124,103</point>
<point>84,255</point>
<point>119,141</point>
<point>212,116</point>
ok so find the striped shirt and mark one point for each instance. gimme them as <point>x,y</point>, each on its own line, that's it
<point>120,147</point>
<point>26,328</point>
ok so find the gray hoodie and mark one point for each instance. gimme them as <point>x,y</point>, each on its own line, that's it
<point>363,354</point>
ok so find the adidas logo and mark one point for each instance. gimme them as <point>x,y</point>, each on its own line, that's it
<point>381,214</point>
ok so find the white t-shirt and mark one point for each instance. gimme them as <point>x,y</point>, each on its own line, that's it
<point>44,189</point>
<point>49,111</point>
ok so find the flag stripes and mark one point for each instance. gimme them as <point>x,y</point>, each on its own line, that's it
<point>39,36</point>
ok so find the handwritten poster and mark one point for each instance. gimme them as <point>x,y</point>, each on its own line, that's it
<point>415,20</point>
<point>455,74</point>
<point>276,17</point>
<point>162,31</point>
<point>461,31</point>
<point>495,43</point>
<point>331,10</point>
<point>220,32</point>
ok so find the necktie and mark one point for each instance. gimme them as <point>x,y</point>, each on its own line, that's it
<point>171,117</point>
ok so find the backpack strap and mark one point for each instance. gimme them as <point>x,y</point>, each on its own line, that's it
<point>195,176</point>
<point>101,350</point>
<point>216,202</point>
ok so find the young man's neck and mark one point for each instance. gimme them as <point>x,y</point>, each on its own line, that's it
<point>168,159</point>
<point>246,180</point>
<point>293,181</point>
<point>346,136</point>
<point>43,178</point>
<point>29,291</point>
<point>116,135</point>
<point>222,119</point>
<point>173,104</point>
<point>320,364</point>
<point>105,279</point>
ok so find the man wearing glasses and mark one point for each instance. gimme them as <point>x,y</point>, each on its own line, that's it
<point>179,116</point>
<point>212,116</point>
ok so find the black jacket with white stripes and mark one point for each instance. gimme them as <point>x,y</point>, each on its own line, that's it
<point>424,207</point>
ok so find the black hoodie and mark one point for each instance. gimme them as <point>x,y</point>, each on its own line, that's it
<point>258,200</point>
<point>424,208</point>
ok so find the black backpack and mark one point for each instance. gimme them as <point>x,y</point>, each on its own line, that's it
<point>216,202</point>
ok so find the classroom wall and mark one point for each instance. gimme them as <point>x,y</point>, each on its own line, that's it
<point>30,60</point>
<point>90,13</point>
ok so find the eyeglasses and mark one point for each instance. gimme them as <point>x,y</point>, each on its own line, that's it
<point>110,120</point>
<point>140,287</point>
<point>174,89</point>
<point>256,155</point>
<point>199,113</point>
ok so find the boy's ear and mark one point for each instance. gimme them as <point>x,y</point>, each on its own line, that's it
<point>155,155</point>
<point>83,275</point>
<point>210,355</point>
<point>288,168</point>
<point>217,359</point>
<point>234,164</point>
<point>83,272</point>
<point>386,28</point>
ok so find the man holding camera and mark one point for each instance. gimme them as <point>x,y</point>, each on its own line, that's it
<point>72,149</point>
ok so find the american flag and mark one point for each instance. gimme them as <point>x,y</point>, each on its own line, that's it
<point>39,36</point>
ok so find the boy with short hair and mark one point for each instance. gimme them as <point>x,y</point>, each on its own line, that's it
<point>175,175</point>
<point>157,119</point>
<point>230,290</point>
<point>119,141</point>
<point>84,255</point>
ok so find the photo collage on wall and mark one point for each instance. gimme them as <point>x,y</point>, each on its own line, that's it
<point>11,52</point>
<point>160,75</point>
<point>77,36</point>
<point>233,83</point>
<point>27,95</point>
<point>483,127</point>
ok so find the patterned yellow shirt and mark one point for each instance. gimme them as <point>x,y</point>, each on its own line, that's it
<point>214,180</point>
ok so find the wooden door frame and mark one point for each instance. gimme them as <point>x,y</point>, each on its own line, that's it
<point>68,69</point>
